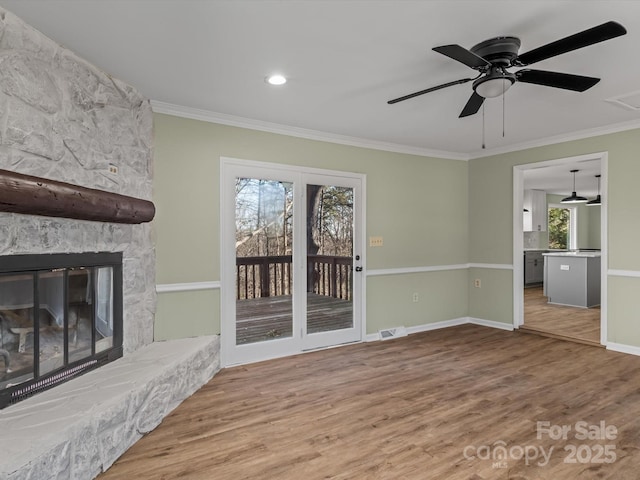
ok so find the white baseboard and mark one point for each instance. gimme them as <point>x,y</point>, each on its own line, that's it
<point>437,325</point>
<point>374,337</point>
<point>490,323</point>
<point>622,348</point>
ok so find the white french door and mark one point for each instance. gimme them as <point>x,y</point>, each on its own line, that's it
<point>292,259</point>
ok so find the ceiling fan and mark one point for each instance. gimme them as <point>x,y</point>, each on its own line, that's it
<point>493,57</point>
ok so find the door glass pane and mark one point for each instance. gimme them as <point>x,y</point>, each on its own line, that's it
<point>329,258</point>
<point>264,273</point>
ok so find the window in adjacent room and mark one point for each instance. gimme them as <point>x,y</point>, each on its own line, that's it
<point>562,227</point>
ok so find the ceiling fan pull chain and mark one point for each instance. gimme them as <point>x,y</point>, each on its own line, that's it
<point>483,145</point>
<point>503,100</point>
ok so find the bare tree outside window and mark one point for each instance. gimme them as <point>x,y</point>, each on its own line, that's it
<point>558,227</point>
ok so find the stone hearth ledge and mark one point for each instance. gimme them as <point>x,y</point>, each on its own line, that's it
<point>78,429</point>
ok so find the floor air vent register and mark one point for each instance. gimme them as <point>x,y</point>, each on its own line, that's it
<point>389,333</point>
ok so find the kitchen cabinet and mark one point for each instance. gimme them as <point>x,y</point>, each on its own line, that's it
<point>535,220</point>
<point>533,267</point>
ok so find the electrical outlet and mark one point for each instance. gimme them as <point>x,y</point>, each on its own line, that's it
<point>113,169</point>
<point>416,297</point>
<point>375,241</point>
<point>477,283</point>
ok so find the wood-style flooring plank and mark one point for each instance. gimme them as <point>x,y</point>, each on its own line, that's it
<point>401,409</point>
<point>571,323</point>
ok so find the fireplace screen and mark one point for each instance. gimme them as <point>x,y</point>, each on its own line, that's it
<point>60,316</point>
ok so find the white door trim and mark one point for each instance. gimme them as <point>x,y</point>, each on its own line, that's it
<point>518,243</point>
<point>296,174</point>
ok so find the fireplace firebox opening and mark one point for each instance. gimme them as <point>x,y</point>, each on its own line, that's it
<point>60,316</point>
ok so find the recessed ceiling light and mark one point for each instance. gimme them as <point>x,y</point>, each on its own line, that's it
<point>276,79</point>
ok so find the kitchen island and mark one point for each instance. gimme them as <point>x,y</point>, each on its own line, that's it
<point>572,278</point>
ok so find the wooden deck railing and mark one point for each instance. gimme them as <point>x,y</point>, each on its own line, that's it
<point>330,276</point>
<point>271,276</point>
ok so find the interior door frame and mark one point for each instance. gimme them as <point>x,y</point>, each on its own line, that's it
<point>518,242</point>
<point>279,347</point>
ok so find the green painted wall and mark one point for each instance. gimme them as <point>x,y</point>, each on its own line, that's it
<point>490,302</point>
<point>441,296</point>
<point>595,219</point>
<point>624,321</point>
<point>404,205</point>
<point>491,226</point>
<point>187,314</point>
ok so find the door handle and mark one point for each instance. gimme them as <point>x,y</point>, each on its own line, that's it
<point>358,269</point>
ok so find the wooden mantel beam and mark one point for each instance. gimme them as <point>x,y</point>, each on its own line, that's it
<point>38,196</point>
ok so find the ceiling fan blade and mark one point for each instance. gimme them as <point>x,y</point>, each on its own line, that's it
<point>432,89</point>
<point>462,55</point>
<point>473,105</point>
<point>577,83</point>
<point>603,32</point>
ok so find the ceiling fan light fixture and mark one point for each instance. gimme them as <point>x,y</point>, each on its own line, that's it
<point>574,198</point>
<point>489,87</point>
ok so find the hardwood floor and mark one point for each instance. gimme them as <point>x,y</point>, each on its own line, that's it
<point>569,323</point>
<point>409,408</point>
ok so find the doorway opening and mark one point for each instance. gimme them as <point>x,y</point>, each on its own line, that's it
<point>559,283</point>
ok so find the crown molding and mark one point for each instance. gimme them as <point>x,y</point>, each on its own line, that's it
<point>242,122</point>
<point>235,121</point>
<point>568,137</point>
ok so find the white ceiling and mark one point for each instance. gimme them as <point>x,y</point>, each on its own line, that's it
<point>345,59</point>
<point>557,179</point>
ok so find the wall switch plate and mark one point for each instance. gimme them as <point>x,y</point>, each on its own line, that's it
<point>375,241</point>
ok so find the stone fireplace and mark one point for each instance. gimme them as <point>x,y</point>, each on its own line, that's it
<point>65,120</point>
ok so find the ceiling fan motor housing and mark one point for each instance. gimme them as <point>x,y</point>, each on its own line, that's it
<point>499,51</point>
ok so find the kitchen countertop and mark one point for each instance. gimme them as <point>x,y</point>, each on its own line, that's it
<point>586,254</point>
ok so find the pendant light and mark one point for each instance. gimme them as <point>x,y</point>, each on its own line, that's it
<point>597,200</point>
<point>574,198</point>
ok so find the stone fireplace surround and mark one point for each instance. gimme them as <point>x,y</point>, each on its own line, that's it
<point>63,119</point>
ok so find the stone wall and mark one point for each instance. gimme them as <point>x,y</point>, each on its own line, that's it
<point>63,119</point>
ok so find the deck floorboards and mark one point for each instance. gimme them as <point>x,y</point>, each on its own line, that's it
<point>261,319</point>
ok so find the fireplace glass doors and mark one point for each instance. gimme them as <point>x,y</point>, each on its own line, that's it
<point>60,316</point>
